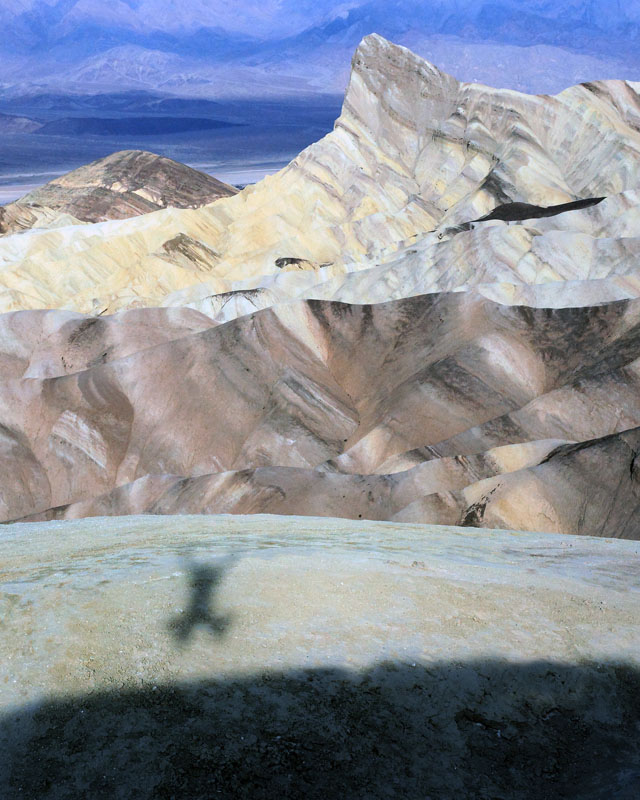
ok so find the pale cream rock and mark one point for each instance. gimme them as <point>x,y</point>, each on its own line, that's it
<point>413,150</point>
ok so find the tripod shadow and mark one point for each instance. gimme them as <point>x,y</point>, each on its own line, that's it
<point>204,582</point>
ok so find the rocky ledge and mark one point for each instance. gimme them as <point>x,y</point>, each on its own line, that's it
<point>199,657</point>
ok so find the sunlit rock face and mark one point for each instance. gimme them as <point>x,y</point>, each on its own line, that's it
<point>125,184</point>
<point>413,151</point>
<point>430,316</point>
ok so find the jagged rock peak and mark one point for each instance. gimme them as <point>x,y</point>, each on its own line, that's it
<point>529,148</point>
<point>387,79</point>
<point>377,54</point>
<point>414,156</point>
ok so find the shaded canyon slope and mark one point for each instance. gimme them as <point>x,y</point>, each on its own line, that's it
<point>432,315</point>
<point>446,408</point>
<point>124,184</point>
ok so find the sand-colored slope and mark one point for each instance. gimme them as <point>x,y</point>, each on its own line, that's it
<point>47,344</point>
<point>322,387</point>
<point>287,490</point>
<point>576,258</point>
<point>588,488</point>
<point>597,406</point>
<point>413,149</point>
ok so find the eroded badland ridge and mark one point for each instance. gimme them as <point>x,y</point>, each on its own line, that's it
<point>431,315</point>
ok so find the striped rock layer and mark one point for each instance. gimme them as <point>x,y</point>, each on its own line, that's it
<point>430,315</point>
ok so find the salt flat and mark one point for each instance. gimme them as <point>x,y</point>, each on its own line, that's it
<point>12,191</point>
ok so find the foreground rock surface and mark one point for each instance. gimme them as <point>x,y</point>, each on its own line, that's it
<point>261,656</point>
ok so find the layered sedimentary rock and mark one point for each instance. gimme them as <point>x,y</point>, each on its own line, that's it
<point>590,487</point>
<point>47,344</point>
<point>441,408</point>
<point>414,151</point>
<point>429,316</point>
<point>124,184</point>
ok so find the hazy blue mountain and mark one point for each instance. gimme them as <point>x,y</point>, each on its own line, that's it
<point>11,124</point>
<point>214,48</point>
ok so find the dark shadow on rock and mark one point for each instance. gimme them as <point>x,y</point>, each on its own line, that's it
<point>204,582</point>
<point>519,212</point>
<point>470,731</point>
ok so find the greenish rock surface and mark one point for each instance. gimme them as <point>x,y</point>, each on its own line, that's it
<point>265,656</point>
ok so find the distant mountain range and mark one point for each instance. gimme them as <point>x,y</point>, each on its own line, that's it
<point>9,123</point>
<point>209,49</point>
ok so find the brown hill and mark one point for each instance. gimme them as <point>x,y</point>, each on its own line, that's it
<point>124,184</point>
<point>307,408</point>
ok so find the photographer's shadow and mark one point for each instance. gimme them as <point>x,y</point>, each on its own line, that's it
<point>204,582</point>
